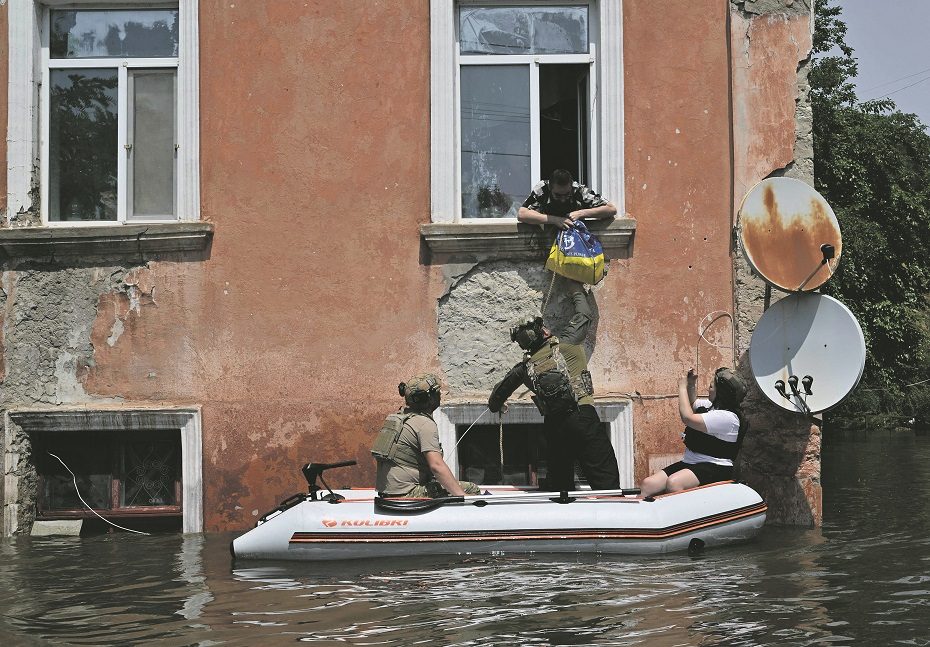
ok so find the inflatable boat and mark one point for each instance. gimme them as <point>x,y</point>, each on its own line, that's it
<point>347,524</point>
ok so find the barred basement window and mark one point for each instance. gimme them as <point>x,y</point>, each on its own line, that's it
<point>120,476</point>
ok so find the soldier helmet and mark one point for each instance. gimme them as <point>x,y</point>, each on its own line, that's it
<point>418,390</point>
<point>729,384</point>
<point>528,333</point>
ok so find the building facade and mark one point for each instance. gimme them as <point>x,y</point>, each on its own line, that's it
<point>230,229</point>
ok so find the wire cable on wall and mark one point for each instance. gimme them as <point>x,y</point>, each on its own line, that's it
<point>74,479</point>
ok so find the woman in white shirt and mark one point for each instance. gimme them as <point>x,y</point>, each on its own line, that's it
<point>711,436</point>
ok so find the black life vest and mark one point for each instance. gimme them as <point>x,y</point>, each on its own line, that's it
<point>704,443</point>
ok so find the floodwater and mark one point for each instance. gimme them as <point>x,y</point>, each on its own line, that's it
<point>863,579</point>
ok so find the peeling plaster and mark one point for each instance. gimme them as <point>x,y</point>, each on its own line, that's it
<point>476,315</point>
<point>48,317</point>
<point>761,7</point>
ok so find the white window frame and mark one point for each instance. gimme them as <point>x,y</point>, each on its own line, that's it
<point>186,420</point>
<point>28,106</point>
<point>617,415</point>
<point>605,123</point>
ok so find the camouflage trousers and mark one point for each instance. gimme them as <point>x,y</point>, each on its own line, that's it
<point>433,490</point>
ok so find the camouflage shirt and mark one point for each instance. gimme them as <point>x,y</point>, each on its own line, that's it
<point>540,199</point>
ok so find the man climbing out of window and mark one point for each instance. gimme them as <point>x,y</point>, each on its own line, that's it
<point>560,201</point>
<point>556,370</point>
<point>407,448</point>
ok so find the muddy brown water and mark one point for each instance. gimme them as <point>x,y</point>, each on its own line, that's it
<point>863,579</point>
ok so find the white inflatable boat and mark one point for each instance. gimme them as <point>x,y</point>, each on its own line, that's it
<point>347,524</point>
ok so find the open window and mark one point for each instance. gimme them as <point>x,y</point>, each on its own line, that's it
<point>518,455</point>
<point>525,74</point>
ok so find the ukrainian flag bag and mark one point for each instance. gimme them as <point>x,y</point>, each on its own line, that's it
<point>577,254</point>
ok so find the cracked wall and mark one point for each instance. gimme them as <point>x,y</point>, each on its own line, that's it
<point>772,123</point>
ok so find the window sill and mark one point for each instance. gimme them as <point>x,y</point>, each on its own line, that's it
<point>513,240</point>
<point>106,240</point>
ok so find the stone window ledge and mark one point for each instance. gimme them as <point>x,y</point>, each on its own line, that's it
<point>105,240</point>
<point>513,240</point>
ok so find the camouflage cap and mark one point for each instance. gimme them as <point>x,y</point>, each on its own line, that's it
<point>422,383</point>
<point>734,382</point>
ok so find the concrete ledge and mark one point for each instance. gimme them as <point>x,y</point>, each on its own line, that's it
<point>70,527</point>
<point>513,240</point>
<point>50,243</point>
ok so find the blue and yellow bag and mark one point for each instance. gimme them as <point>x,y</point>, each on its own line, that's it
<point>577,254</point>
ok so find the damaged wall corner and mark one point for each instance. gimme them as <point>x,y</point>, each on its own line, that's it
<point>771,47</point>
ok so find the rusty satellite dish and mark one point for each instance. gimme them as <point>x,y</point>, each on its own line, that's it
<point>807,353</point>
<point>789,234</point>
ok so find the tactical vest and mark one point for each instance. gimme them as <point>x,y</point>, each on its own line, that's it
<point>556,390</point>
<point>386,446</point>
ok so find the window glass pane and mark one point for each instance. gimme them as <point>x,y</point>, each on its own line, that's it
<point>495,139</point>
<point>523,30</point>
<point>151,469</point>
<point>88,455</point>
<point>153,137</point>
<point>82,144</point>
<point>104,33</point>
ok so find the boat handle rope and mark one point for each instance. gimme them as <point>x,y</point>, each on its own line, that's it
<point>425,505</point>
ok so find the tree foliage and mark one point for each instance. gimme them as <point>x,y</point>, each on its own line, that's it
<point>872,164</point>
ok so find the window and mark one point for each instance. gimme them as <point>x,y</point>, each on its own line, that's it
<point>524,82</point>
<point>476,456</point>
<point>111,120</point>
<point>158,42</point>
<point>144,464</point>
<point>118,475</point>
<point>523,461</point>
<point>519,89</point>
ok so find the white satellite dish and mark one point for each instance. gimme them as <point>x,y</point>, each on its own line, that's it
<point>787,231</point>
<point>807,342</point>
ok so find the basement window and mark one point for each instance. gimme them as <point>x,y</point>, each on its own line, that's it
<point>129,478</point>
<point>476,456</point>
<point>523,461</point>
<point>141,467</point>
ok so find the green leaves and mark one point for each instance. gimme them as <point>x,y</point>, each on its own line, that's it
<point>872,164</point>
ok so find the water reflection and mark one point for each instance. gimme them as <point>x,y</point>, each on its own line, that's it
<point>863,579</point>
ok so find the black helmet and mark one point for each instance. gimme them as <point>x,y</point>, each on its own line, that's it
<point>528,333</point>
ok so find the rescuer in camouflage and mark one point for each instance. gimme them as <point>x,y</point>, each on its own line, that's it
<point>560,201</point>
<point>407,448</point>
<point>555,369</point>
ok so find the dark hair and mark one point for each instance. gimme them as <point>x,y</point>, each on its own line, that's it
<point>560,177</point>
<point>726,397</point>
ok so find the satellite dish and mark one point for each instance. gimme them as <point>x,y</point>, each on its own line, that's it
<point>807,353</point>
<point>787,231</point>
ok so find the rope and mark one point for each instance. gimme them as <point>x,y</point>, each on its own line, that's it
<point>548,294</point>
<point>74,478</point>
<point>501,444</point>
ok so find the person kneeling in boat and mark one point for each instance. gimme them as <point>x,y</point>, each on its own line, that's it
<point>407,448</point>
<point>714,431</point>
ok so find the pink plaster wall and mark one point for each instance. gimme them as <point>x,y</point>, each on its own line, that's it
<point>313,303</point>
